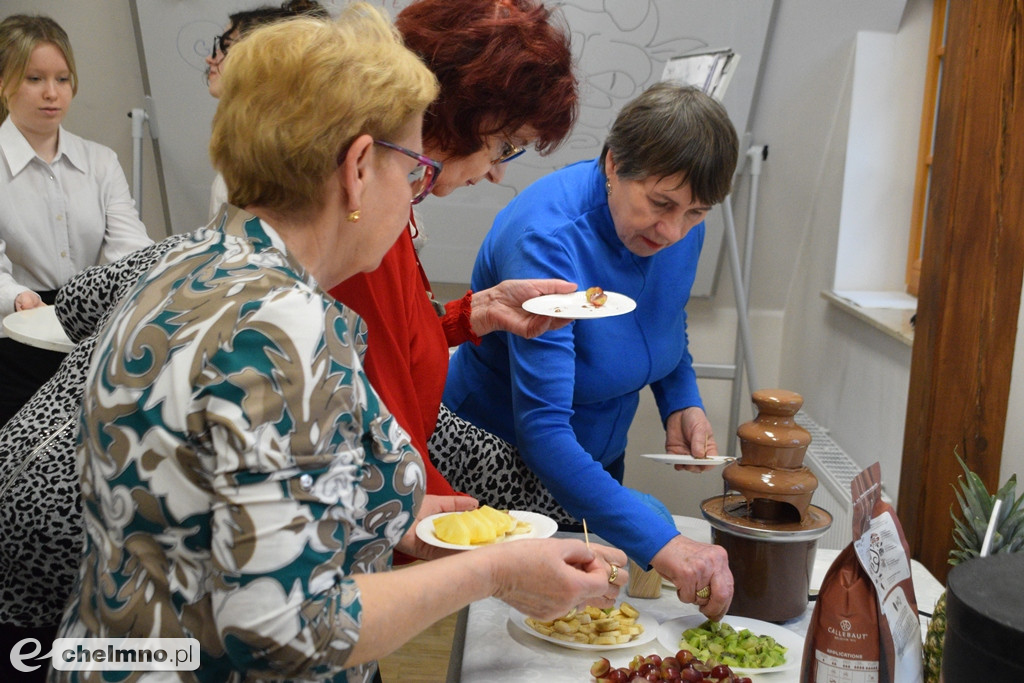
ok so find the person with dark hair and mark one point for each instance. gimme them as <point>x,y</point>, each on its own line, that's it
<point>239,24</point>
<point>507,83</point>
<point>552,413</point>
<point>64,201</point>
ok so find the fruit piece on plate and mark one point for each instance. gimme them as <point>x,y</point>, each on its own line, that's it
<point>502,521</point>
<point>481,529</point>
<point>452,529</point>
<point>596,296</point>
<point>475,527</point>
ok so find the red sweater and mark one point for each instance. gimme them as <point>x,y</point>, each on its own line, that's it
<point>407,345</point>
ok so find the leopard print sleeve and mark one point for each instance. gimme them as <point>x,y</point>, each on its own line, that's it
<point>84,302</point>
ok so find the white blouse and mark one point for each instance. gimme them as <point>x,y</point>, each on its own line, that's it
<point>58,218</point>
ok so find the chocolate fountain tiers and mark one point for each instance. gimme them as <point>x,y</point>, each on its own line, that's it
<point>773,495</point>
<point>771,473</point>
<point>769,527</point>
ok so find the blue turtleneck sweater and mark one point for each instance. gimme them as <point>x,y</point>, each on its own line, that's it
<point>566,399</point>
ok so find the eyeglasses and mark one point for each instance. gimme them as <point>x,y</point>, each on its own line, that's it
<point>221,44</point>
<point>421,178</point>
<point>508,153</point>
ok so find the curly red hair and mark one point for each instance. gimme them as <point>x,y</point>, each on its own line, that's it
<point>502,65</point>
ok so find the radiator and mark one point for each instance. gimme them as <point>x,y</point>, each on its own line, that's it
<point>835,471</point>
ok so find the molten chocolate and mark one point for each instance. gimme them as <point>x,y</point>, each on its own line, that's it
<point>773,447</point>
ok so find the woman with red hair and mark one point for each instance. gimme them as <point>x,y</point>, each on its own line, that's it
<point>507,83</point>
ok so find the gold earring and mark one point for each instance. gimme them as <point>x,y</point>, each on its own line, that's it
<point>354,216</point>
<point>608,187</point>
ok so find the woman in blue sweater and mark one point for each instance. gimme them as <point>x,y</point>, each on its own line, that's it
<point>632,222</point>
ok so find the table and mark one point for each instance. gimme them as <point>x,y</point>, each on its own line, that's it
<point>488,649</point>
<point>38,327</point>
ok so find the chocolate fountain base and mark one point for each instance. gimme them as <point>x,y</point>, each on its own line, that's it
<point>777,594</point>
<point>771,567</point>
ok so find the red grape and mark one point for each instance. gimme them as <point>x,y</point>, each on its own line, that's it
<point>600,667</point>
<point>683,667</point>
<point>691,674</point>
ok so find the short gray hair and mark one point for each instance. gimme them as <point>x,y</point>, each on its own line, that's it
<point>672,129</point>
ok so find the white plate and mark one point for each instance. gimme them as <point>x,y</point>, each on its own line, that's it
<point>575,305</point>
<point>649,623</point>
<point>38,327</point>
<point>673,459</point>
<point>543,526</point>
<point>670,634</point>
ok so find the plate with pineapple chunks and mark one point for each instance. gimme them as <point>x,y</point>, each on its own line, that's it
<point>483,526</point>
<point>592,628</point>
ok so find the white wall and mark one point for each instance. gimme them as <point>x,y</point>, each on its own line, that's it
<point>881,155</point>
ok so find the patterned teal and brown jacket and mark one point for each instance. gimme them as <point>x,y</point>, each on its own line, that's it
<point>237,467</point>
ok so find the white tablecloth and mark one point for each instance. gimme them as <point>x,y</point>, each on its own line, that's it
<point>491,650</point>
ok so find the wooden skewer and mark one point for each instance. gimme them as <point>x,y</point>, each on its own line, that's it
<point>586,536</point>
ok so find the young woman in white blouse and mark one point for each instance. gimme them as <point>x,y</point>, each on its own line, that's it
<point>64,201</point>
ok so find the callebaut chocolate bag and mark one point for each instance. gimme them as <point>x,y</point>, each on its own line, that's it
<point>864,627</point>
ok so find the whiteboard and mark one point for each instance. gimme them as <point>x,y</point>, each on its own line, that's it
<point>620,47</point>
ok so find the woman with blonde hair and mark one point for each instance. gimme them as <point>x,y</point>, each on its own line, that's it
<point>242,482</point>
<point>64,201</point>
<point>40,514</point>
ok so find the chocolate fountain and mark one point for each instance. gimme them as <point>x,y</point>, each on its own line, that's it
<point>765,519</point>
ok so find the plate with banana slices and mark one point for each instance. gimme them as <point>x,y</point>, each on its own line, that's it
<point>591,628</point>
<point>484,526</point>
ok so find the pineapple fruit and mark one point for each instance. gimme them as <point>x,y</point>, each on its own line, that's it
<point>475,527</point>
<point>976,504</point>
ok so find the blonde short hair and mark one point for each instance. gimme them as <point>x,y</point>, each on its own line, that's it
<point>296,94</point>
<point>20,34</point>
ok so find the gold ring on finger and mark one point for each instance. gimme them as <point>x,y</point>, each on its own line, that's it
<point>704,593</point>
<point>614,573</point>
